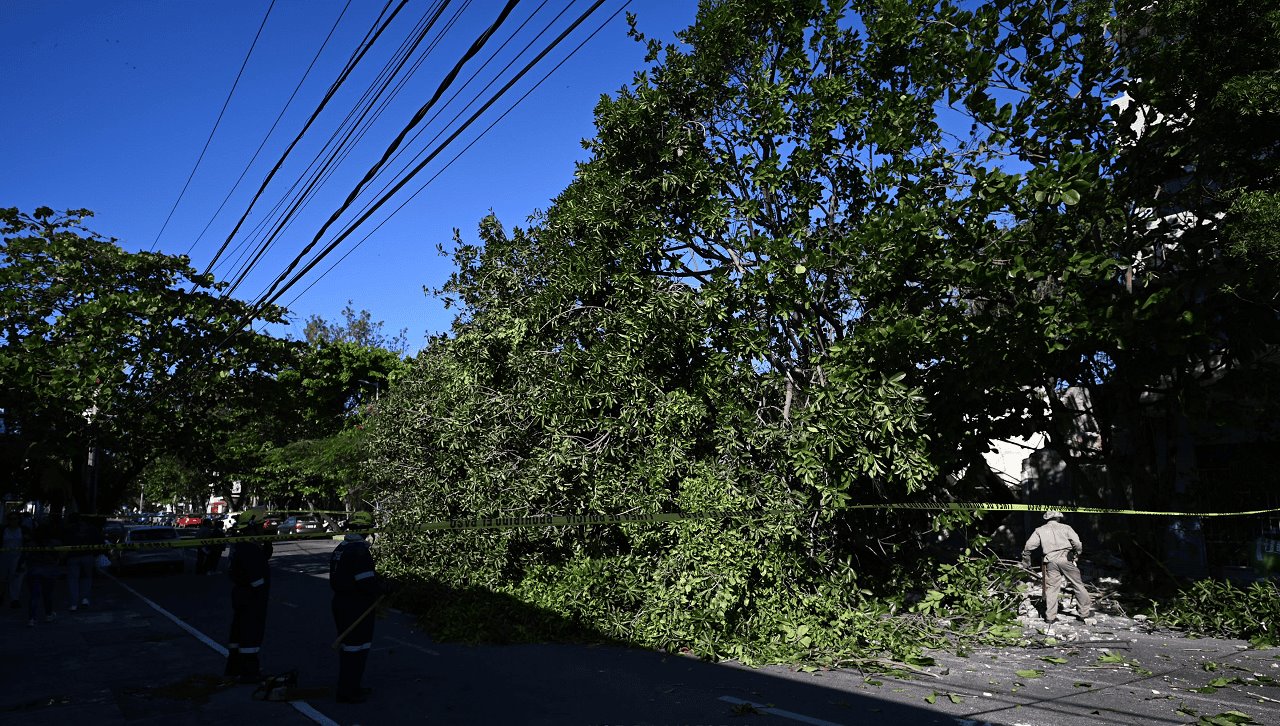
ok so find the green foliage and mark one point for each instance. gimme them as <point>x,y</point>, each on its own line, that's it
<point>1220,609</point>
<point>814,259</point>
<point>359,328</point>
<point>124,351</point>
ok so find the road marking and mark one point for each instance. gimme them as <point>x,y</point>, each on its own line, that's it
<point>778,712</point>
<point>176,620</point>
<point>407,644</point>
<point>306,709</point>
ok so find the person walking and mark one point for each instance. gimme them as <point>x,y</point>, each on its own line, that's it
<point>208,555</point>
<point>82,563</point>
<point>356,590</point>
<point>250,584</point>
<point>12,559</point>
<point>43,566</point>
<point>1060,546</point>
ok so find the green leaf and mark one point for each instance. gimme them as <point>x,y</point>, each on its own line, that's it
<point>1029,673</point>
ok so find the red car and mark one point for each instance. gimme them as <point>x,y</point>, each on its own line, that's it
<point>188,520</point>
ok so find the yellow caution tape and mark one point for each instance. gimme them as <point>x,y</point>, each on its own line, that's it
<point>579,520</point>
<point>986,507</point>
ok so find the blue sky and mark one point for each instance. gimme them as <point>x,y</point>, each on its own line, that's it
<point>109,105</point>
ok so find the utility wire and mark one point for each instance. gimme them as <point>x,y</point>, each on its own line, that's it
<point>329,148</point>
<point>362,48</point>
<point>441,88</point>
<point>271,130</point>
<point>476,96</point>
<point>456,156</point>
<point>346,143</point>
<point>273,294</point>
<point>215,125</point>
<point>346,72</point>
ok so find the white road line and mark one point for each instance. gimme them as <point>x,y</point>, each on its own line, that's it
<point>306,709</point>
<point>177,621</point>
<point>407,644</point>
<point>302,706</point>
<point>779,712</point>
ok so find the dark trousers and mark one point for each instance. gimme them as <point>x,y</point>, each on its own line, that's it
<point>248,626</point>
<point>356,644</point>
<point>40,582</point>
<point>207,559</point>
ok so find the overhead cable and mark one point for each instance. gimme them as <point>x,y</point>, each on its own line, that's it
<point>341,148</point>
<point>274,294</point>
<point>271,130</point>
<point>455,157</point>
<point>441,88</point>
<point>346,72</point>
<point>215,125</point>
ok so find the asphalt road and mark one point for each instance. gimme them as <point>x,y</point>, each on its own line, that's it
<point>1142,678</point>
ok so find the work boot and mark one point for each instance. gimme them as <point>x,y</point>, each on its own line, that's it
<point>350,672</point>
<point>359,697</point>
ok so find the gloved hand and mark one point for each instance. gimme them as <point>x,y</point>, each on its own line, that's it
<point>1026,559</point>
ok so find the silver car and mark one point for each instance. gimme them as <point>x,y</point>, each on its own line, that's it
<point>156,555</point>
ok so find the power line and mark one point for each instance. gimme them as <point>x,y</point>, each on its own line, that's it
<point>324,44</point>
<point>357,128</point>
<point>320,157</point>
<point>215,125</point>
<point>455,157</point>
<point>440,89</point>
<point>342,77</point>
<point>272,294</point>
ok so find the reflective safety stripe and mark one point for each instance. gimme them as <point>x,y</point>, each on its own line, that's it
<point>258,582</point>
<point>250,650</point>
<point>364,575</point>
<point>357,648</point>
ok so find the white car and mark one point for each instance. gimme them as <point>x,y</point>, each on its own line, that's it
<point>156,555</point>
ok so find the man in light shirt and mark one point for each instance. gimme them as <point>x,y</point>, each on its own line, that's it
<point>1061,546</point>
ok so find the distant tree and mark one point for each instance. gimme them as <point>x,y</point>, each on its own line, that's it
<point>358,328</point>
<point>109,350</point>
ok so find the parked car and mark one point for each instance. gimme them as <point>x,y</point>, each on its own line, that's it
<point>271,522</point>
<point>168,558</point>
<point>113,531</point>
<point>300,524</point>
<point>188,520</point>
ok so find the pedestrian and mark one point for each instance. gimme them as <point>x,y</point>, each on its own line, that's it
<point>13,561</point>
<point>356,590</point>
<point>1061,547</point>
<point>43,566</point>
<point>208,555</point>
<point>81,564</point>
<point>250,584</point>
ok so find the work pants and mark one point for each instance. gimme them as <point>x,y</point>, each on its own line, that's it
<point>248,626</point>
<point>356,644</point>
<point>40,583</point>
<point>207,559</point>
<point>1057,569</point>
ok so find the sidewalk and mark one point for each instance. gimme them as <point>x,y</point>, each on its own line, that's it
<point>116,662</point>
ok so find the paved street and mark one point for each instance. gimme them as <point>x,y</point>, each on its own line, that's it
<point>126,661</point>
